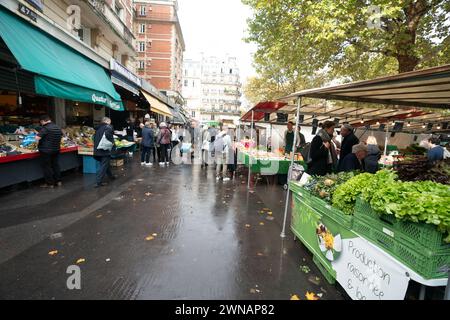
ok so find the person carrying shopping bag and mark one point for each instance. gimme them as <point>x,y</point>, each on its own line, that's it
<point>164,140</point>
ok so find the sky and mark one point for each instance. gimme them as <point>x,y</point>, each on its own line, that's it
<point>217,27</point>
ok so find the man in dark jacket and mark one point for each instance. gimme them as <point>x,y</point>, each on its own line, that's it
<point>348,141</point>
<point>355,160</point>
<point>148,144</point>
<point>49,144</point>
<point>103,156</point>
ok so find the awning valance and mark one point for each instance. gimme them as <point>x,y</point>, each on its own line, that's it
<point>59,70</point>
<point>157,106</point>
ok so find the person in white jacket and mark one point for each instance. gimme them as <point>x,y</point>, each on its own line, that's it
<point>222,145</point>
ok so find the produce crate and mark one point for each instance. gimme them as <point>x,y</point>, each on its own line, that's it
<point>326,209</point>
<point>85,151</point>
<point>322,206</point>
<point>90,165</point>
<point>406,232</point>
<point>423,261</point>
<point>117,162</point>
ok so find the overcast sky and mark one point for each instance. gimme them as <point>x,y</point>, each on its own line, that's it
<point>216,27</point>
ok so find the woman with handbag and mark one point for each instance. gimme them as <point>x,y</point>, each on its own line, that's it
<point>164,140</point>
<point>103,144</point>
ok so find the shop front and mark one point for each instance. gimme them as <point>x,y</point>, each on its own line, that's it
<point>41,75</point>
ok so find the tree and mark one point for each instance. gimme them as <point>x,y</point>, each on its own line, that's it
<point>346,37</point>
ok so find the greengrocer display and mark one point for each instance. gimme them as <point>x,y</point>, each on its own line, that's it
<point>405,224</point>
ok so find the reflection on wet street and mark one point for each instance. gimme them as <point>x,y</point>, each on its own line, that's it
<point>155,233</point>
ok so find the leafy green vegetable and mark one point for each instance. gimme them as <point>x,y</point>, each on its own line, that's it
<point>420,201</point>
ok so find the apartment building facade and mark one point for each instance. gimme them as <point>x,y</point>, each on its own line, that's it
<point>212,88</point>
<point>160,45</point>
<point>99,31</point>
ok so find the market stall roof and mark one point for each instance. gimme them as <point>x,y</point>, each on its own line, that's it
<point>156,105</point>
<point>59,71</point>
<point>422,88</point>
<point>414,120</point>
<point>261,109</point>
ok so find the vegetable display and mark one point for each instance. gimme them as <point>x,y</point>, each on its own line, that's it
<point>419,201</point>
<point>324,186</point>
<point>419,169</point>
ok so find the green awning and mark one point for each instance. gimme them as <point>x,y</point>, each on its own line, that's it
<point>60,71</point>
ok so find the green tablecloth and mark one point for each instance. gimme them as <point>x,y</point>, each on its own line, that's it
<point>266,167</point>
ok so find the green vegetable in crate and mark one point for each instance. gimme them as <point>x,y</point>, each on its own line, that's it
<point>344,197</point>
<point>324,186</point>
<point>422,201</point>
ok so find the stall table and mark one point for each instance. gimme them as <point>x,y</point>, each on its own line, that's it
<point>27,167</point>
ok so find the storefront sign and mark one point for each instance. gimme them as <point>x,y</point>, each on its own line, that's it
<point>36,4</point>
<point>106,101</point>
<point>120,69</point>
<point>367,274</point>
<point>27,12</point>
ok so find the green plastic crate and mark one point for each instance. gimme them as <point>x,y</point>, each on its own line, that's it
<point>407,232</point>
<point>422,260</point>
<point>326,209</point>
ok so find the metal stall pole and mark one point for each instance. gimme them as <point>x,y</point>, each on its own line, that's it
<point>386,138</point>
<point>249,156</point>
<point>299,103</point>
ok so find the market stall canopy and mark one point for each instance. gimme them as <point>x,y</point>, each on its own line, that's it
<point>59,71</point>
<point>261,109</point>
<point>178,118</point>
<point>428,88</point>
<point>157,106</point>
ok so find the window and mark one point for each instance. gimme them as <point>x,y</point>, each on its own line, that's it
<point>141,47</point>
<point>119,11</point>
<point>193,114</point>
<point>150,44</point>
<point>193,83</point>
<point>141,64</point>
<point>185,83</point>
<point>142,12</point>
<point>231,71</point>
<point>142,28</point>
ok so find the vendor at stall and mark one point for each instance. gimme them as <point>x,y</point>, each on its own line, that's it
<point>289,138</point>
<point>355,160</point>
<point>49,144</point>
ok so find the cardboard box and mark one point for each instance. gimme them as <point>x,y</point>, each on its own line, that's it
<point>117,163</point>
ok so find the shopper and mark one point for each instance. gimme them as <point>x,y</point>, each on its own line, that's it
<point>148,144</point>
<point>355,160</point>
<point>373,155</point>
<point>103,144</point>
<point>222,146</point>
<point>174,140</point>
<point>205,146</point>
<point>435,151</point>
<point>164,138</point>
<point>49,144</point>
<point>212,138</point>
<point>348,141</point>
<point>322,157</point>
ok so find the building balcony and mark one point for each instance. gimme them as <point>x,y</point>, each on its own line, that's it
<point>110,17</point>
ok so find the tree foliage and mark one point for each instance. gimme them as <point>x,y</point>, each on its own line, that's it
<point>345,39</point>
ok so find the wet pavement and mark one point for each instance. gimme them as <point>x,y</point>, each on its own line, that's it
<point>154,233</point>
